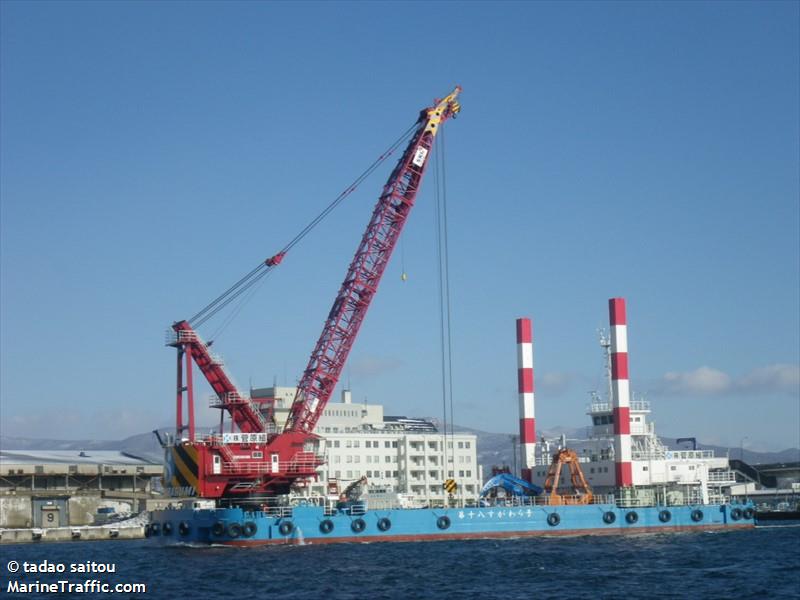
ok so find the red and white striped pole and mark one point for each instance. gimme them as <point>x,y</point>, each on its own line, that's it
<point>527,421</point>
<point>620,387</point>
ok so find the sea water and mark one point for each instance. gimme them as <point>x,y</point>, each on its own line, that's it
<point>759,563</point>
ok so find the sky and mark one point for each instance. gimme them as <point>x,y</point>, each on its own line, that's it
<point>153,153</point>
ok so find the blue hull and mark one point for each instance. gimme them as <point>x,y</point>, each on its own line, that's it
<point>311,525</point>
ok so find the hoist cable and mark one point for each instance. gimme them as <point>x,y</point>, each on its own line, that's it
<point>447,279</point>
<point>445,323</point>
<point>442,347</point>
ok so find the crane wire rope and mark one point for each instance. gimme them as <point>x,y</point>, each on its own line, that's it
<point>250,279</point>
<point>447,283</point>
<point>445,338</point>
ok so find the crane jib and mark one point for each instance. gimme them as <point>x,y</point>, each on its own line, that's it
<point>365,271</point>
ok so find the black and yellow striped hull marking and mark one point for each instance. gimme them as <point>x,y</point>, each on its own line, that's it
<point>185,473</point>
<point>450,486</point>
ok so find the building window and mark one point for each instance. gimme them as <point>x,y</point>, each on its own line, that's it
<point>672,468</point>
<point>394,444</point>
<point>349,474</point>
<point>349,458</point>
<point>357,459</point>
<point>469,473</point>
<point>645,468</point>
<point>461,473</point>
<point>466,444</point>
<point>336,443</point>
<point>387,444</point>
<point>460,444</point>
<point>356,444</point>
<point>388,458</point>
<point>337,459</point>
<point>369,459</point>
<point>388,474</point>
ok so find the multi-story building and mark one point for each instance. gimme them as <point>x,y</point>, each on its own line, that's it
<point>396,454</point>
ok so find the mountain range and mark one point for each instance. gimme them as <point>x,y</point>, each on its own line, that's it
<point>493,448</point>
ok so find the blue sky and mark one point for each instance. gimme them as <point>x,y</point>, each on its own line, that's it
<point>152,153</point>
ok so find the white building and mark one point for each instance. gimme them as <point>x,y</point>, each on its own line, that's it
<point>395,454</point>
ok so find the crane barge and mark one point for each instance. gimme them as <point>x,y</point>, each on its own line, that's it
<point>227,479</point>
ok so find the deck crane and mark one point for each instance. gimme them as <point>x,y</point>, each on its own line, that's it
<point>581,491</point>
<point>255,459</point>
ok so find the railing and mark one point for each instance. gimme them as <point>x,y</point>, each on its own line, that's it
<point>648,455</point>
<point>543,500</point>
<point>360,508</point>
<point>172,337</point>
<point>303,465</point>
<point>721,477</point>
<point>605,407</point>
<point>219,400</point>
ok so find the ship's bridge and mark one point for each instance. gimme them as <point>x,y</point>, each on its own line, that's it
<point>602,415</point>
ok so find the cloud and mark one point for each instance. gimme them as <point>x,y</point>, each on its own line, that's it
<point>372,366</point>
<point>707,381</point>
<point>704,380</point>
<point>775,378</point>
<point>553,384</point>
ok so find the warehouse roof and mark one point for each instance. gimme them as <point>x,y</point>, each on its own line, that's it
<point>72,457</point>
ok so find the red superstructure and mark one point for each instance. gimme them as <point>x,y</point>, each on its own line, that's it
<point>253,458</point>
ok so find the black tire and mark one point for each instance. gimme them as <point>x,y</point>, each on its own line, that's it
<point>553,519</point>
<point>326,526</point>
<point>609,517</point>
<point>155,528</point>
<point>443,522</point>
<point>748,513</point>
<point>218,529</point>
<point>147,530</point>
<point>249,529</point>
<point>697,515</point>
<point>184,528</point>
<point>358,525</point>
<point>167,528</point>
<point>286,528</point>
<point>736,514</point>
<point>234,530</point>
<point>384,524</point>
<point>665,516</point>
<point>632,517</point>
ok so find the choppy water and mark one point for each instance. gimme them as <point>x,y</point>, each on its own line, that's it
<point>761,563</point>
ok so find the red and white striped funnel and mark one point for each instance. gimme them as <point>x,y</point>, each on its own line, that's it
<point>620,388</point>
<point>527,420</point>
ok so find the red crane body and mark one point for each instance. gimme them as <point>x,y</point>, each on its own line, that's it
<point>260,460</point>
